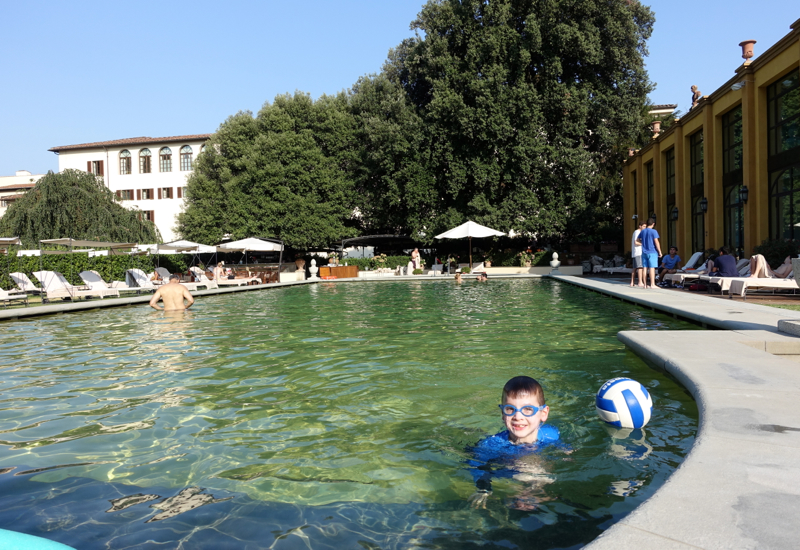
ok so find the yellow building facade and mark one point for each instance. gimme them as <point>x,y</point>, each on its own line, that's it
<point>727,172</point>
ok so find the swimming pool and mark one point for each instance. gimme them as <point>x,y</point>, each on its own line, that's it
<point>329,415</point>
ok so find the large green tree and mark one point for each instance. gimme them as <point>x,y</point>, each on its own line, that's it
<point>528,107</point>
<point>283,173</point>
<point>74,204</point>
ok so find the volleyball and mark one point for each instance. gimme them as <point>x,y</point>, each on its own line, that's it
<point>624,403</point>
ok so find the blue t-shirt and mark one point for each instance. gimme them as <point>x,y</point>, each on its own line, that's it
<point>494,456</point>
<point>670,262</point>
<point>648,237</point>
<point>726,265</point>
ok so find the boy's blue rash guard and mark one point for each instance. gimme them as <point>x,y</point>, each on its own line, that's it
<point>498,452</point>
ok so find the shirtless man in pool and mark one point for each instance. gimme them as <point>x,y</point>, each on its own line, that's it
<point>172,294</point>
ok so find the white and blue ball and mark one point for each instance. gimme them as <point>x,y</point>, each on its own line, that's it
<point>624,403</point>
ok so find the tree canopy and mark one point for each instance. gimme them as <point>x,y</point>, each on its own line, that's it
<point>516,114</point>
<point>280,174</point>
<point>74,204</point>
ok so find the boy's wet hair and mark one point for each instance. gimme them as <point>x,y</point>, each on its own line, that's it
<point>523,385</point>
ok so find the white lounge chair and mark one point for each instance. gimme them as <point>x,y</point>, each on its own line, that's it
<point>24,283</point>
<point>693,261</point>
<point>725,282</point>
<point>7,297</point>
<point>94,281</point>
<point>740,286</point>
<point>141,280</point>
<point>203,278</point>
<point>56,286</point>
<point>138,278</point>
<point>164,273</point>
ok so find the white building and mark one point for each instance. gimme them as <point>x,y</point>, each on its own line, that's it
<point>146,173</point>
<point>13,187</point>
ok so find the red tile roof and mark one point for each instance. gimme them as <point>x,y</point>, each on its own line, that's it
<point>12,197</point>
<point>129,141</point>
<point>17,186</point>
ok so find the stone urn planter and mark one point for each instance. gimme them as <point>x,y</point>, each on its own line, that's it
<point>487,263</point>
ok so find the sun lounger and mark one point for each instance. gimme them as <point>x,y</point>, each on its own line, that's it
<point>725,282</point>
<point>693,261</point>
<point>201,276</point>
<point>94,281</point>
<point>740,286</point>
<point>164,273</point>
<point>8,296</point>
<point>24,283</point>
<point>56,286</point>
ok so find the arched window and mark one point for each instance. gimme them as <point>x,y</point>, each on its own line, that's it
<point>124,162</point>
<point>144,161</point>
<point>186,158</point>
<point>165,160</point>
<point>202,147</point>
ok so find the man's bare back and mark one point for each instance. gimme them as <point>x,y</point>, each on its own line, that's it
<point>173,295</point>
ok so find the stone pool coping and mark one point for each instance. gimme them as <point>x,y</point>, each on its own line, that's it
<point>739,486</point>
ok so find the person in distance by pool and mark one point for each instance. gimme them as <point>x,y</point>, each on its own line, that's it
<point>511,453</point>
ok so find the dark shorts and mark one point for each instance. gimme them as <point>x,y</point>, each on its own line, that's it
<point>637,262</point>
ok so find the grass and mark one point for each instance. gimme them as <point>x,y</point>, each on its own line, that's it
<point>782,306</point>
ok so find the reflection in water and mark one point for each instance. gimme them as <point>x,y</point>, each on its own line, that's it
<point>349,401</point>
<point>186,500</point>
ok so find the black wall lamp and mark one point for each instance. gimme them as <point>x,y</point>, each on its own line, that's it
<point>704,205</point>
<point>744,192</point>
<point>674,213</point>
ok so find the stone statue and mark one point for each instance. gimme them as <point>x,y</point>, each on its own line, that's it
<point>555,263</point>
<point>696,95</point>
<point>313,269</point>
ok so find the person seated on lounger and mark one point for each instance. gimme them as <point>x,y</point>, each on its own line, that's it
<point>670,263</point>
<point>759,268</point>
<point>219,272</point>
<point>785,268</point>
<point>725,264</point>
<point>173,295</point>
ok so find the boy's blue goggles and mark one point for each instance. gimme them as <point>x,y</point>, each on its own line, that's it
<point>527,410</point>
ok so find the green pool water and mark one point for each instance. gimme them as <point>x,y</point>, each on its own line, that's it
<point>355,402</point>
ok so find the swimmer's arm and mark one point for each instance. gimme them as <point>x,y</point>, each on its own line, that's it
<point>154,300</point>
<point>483,490</point>
<point>189,298</point>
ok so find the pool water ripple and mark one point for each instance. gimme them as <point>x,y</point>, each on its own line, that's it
<point>356,402</point>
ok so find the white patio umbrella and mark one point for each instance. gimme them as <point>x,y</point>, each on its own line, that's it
<point>254,244</point>
<point>470,229</point>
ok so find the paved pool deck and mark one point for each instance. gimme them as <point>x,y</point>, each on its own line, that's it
<point>739,486</point>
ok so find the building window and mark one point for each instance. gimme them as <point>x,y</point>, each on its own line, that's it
<point>144,161</point>
<point>635,197</point>
<point>186,158</point>
<point>783,108</point>
<point>670,171</point>
<point>147,215</point>
<point>165,160</point>
<point>669,177</point>
<point>732,174</point>
<point>698,226</point>
<point>165,192</point>
<point>649,174</point>
<point>124,162</point>
<point>145,194</point>
<point>696,175</point>
<point>125,194</point>
<point>95,167</point>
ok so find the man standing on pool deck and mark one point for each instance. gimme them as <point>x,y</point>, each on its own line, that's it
<point>172,294</point>
<point>651,250</point>
<point>636,256</point>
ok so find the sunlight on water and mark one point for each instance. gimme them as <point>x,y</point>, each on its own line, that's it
<point>336,393</point>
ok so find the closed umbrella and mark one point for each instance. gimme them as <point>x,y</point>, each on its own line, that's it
<point>470,229</point>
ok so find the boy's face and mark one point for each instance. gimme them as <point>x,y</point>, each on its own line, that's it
<point>673,251</point>
<point>521,428</point>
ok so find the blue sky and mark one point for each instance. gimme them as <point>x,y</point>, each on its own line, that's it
<point>76,72</point>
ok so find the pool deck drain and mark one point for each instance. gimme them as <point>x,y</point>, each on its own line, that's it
<point>739,486</point>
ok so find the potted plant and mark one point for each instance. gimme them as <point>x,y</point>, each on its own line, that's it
<point>417,271</point>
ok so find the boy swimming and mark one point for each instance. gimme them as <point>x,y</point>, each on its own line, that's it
<point>524,413</point>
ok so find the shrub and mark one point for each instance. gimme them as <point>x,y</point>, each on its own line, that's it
<point>466,270</point>
<point>776,250</point>
<point>417,272</point>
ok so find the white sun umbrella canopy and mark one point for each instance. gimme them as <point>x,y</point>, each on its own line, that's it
<point>254,244</point>
<point>470,229</point>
